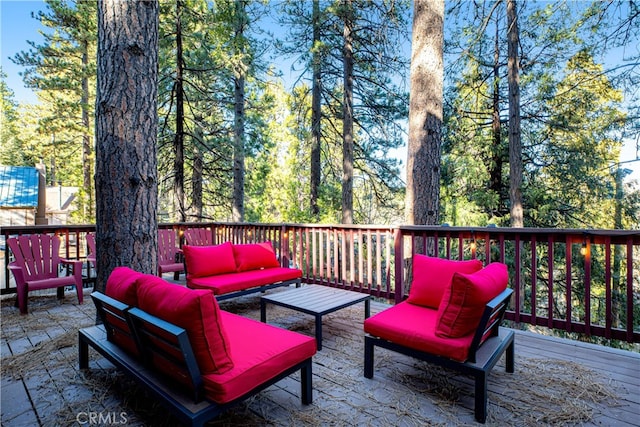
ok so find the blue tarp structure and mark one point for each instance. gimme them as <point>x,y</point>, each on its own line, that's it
<point>18,187</point>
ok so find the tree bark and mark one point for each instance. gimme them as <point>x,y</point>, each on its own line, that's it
<point>178,140</point>
<point>515,144</point>
<point>495,167</point>
<point>86,135</point>
<point>316,115</point>
<point>198,169</point>
<point>238,128</point>
<point>347,118</point>
<point>425,113</point>
<point>126,133</point>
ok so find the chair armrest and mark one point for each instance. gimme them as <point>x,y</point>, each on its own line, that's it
<point>18,273</point>
<point>76,263</point>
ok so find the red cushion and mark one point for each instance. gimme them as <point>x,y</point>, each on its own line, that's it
<point>205,261</point>
<point>431,276</point>
<point>226,283</point>
<point>464,301</point>
<point>414,326</point>
<point>255,256</point>
<point>260,352</point>
<point>121,285</point>
<point>194,310</point>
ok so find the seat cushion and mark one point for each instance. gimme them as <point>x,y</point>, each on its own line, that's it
<point>203,261</point>
<point>431,276</point>
<point>464,301</point>
<point>254,256</point>
<point>414,326</point>
<point>122,285</point>
<point>226,283</point>
<point>196,311</point>
<point>260,352</point>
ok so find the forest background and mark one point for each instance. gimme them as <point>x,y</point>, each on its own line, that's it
<point>579,107</point>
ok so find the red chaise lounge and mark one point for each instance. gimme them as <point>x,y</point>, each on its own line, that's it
<point>451,318</point>
<point>199,360</point>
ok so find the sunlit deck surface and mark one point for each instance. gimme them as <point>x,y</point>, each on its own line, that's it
<point>556,382</point>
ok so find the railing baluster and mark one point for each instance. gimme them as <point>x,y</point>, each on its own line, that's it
<point>550,286</point>
<point>568,259</point>
<point>630,296</point>
<point>608,287</point>
<point>534,280</point>
<point>587,288</point>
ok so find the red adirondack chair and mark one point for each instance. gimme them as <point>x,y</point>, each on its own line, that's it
<point>169,254</point>
<point>198,237</point>
<point>91,245</point>
<point>36,265</point>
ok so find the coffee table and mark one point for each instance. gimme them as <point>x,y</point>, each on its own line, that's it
<point>316,300</point>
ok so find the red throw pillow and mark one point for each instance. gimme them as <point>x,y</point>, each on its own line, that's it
<point>431,276</point>
<point>204,261</point>
<point>121,285</point>
<point>464,301</point>
<point>196,311</point>
<point>255,256</point>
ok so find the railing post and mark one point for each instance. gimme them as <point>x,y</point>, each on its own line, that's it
<point>399,265</point>
<point>285,254</point>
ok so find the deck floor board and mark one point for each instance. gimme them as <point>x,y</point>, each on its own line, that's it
<point>403,391</point>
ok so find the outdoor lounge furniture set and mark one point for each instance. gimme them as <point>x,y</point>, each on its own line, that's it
<point>200,360</point>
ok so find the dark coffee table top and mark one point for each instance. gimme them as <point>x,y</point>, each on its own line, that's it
<point>316,299</point>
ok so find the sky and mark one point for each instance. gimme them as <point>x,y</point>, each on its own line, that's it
<point>17,26</point>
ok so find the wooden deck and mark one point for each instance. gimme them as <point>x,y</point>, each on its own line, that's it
<point>557,381</point>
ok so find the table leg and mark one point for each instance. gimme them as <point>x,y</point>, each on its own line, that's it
<point>319,331</point>
<point>367,308</point>
<point>263,311</point>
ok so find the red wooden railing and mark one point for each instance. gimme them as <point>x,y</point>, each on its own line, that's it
<point>584,281</point>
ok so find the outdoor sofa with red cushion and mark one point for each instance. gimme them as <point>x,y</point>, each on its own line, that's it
<point>230,270</point>
<point>199,360</point>
<point>451,318</point>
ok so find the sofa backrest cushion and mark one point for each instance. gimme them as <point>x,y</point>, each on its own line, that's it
<point>464,301</point>
<point>122,285</point>
<point>204,261</point>
<point>196,311</point>
<point>431,276</point>
<point>254,256</point>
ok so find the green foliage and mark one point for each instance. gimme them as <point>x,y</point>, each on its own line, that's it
<point>573,120</point>
<point>63,71</point>
<point>11,152</point>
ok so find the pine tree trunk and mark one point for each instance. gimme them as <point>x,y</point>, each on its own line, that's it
<point>178,141</point>
<point>515,144</point>
<point>238,128</point>
<point>495,166</point>
<point>347,119</point>
<point>126,134</point>
<point>316,116</point>
<point>238,152</point>
<point>196,180</point>
<point>86,135</point>
<point>425,113</point>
